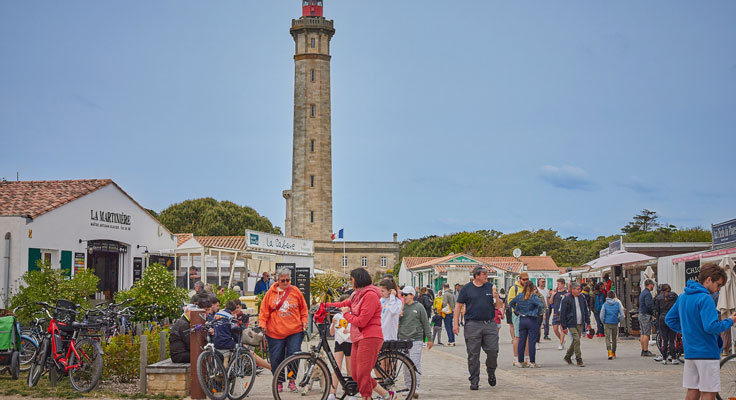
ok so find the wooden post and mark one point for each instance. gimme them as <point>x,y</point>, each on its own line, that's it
<point>196,342</point>
<point>143,364</point>
<point>162,346</point>
<point>53,378</point>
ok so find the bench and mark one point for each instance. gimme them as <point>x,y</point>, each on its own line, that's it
<point>168,378</point>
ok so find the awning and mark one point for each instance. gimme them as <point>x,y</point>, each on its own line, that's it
<point>616,258</point>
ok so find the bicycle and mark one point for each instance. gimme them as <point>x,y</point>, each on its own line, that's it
<point>241,368</point>
<point>211,373</point>
<point>308,368</point>
<point>28,345</point>
<point>60,349</point>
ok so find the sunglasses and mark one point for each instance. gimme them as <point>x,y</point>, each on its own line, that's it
<point>285,280</point>
<point>524,279</point>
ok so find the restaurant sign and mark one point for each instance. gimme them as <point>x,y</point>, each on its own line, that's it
<point>269,242</point>
<point>724,233</point>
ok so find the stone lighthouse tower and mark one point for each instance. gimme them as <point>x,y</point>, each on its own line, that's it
<point>309,201</point>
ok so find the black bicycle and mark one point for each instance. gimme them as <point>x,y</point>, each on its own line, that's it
<point>312,378</point>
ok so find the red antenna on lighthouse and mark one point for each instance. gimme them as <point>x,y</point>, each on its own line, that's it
<point>311,8</point>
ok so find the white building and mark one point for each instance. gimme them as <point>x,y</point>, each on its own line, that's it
<point>77,224</point>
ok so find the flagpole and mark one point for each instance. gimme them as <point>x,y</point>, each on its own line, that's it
<point>343,255</point>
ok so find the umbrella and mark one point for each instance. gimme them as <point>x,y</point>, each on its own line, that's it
<point>618,258</point>
<point>727,298</point>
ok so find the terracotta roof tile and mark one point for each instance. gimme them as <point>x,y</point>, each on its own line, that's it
<point>225,242</point>
<point>539,263</point>
<point>411,262</point>
<point>182,238</point>
<point>35,198</point>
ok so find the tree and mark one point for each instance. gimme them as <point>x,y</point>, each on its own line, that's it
<point>208,217</point>
<point>645,221</point>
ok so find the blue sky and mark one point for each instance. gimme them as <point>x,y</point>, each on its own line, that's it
<point>446,116</point>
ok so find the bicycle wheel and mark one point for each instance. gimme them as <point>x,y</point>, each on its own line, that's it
<point>728,377</point>
<point>301,377</point>
<point>395,371</point>
<point>212,375</point>
<point>241,373</point>
<point>86,374</point>
<point>38,365</point>
<point>28,349</point>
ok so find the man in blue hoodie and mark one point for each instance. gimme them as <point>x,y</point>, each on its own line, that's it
<point>695,316</point>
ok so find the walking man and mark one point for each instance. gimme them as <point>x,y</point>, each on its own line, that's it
<point>574,314</point>
<point>646,309</point>
<point>480,301</point>
<point>555,302</point>
<point>544,292</point>
<point>448,300</point>
<point>695,316</point>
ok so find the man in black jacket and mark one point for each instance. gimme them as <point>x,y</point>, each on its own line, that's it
<point>574,314</point>
<point>179,340</point>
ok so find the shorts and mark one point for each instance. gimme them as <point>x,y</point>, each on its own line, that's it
<point>345,347</point>
<point>555,319</point>
<point>515,318</point>
<point>703,375</point>
<point>645,324</point>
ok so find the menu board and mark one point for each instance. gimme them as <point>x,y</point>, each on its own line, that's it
<point>299,278</point>
<point>78,262</point>
<point>137,269</point>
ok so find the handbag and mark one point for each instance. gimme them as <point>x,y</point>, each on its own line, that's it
<point>253,336</point>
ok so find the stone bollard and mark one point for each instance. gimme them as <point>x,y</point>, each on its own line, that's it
<point>162,346</point>
<point>143,364</point>
<point>197,340</point>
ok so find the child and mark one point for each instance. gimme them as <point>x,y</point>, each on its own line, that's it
<point>611,314</point>
<point>390,309</point>
<point>414,326</point>
<point>437,328</point>
<point>497,318</point>
<point>340,328</point>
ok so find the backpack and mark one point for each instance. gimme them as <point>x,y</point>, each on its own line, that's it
<point>599,301</point>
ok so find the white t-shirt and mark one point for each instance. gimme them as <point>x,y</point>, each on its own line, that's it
<point>578,313</point>
<point>390,311</point>
<point>545,293</point>
<point>340,324</point>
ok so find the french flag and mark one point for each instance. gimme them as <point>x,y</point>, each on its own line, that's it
<point>337,235</point>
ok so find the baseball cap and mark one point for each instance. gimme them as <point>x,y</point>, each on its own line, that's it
<point>523,275</point>
<point>408,290</point>
<point>481,268</point>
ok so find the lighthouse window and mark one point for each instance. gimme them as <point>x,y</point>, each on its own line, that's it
<point>311,180</point>
<point>311,216</point>
<point>313,110</point>
<point>311,143</point>
<point>313,42</point>
<point>313,75</point>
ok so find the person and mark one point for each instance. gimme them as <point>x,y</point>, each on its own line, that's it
<point>198,287</point>
<point>695,316</point>
<point>214,308</point>
<point>513,292</point>
<point>430,292</point>
<point>340,329</point>
<point>283,315</point>
<point>414,326</point>
<point>480,299</point>
<point>194,279</point>
<point>363,311</point>
<point>425,301</point>
<point>608,283</point>
<point>663,302</point>
<point>611,314</point>
<point>456,293</point>
<point>545,293</point>
<point>179,342</point>
<point>390,309</point>
<point>599,298</point>
<point>437,328</point>
<point>541,316</point>
<point>646,309</point>
<point>243,320</point>
<point>263,284</point>
<point>574,315</point>
<point>529,307</point>
<point>555,302</point>
<point>448,303</point>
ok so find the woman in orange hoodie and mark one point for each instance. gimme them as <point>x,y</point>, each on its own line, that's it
<point>283,315</point>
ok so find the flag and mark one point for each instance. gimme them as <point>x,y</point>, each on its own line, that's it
<point>333,236</point>
<point>337,235</point>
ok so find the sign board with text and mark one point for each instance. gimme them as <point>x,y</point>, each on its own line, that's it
<point>276,243</point>
<point>724,233</point>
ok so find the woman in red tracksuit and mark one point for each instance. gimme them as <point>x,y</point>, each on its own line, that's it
<point>363,311</point>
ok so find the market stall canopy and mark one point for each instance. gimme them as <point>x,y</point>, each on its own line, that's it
<point>727,298</point>
<point>617,258</point>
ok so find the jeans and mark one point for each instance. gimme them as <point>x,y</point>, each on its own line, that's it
<point>448,327</point>
<point>546,322</point>
<point>481,334</point>
<point>528,329</point>
<point>279,349</point>
<point>598,323</point>
<point>611,331</point>
<point>668,341</point>
<point>575,345</point>
<point>415,354</point>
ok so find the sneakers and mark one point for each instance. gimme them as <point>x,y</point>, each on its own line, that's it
<point>516,364</point>
<point>473,386</point>
<point>389,396</point>
<point>534,365</point>
<point>559,346</point>
<point>580,363</point>
<point>610,355</point>
<point>614,354</point>
<point>646,353</point>
<point>292,386</point>
<point>664,362</point>
<point>600,335</point>
<point>537,346</point>
<point>331,397</point>
<point>675,362</point>
<point>657,358</point>
<point>451,344</point>
<point>546,338</point>
<point>492,378</point>
<point>568,360</point>
<point>519,365</point>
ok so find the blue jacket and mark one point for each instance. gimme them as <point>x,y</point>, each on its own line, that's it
<point>695,316</point>
<point>223,337</point>
<point>531,307</point>
<point>261,287</point>
<point>646,305</point>
<point>567,311</point>
<point>611,312</point>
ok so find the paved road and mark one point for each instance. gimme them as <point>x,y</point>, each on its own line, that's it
<point>629,376</point>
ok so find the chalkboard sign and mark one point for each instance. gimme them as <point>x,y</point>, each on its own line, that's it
<point>299,278</point>
<point>137,269</point>
<point>692,270</point>
<point>166,261</point>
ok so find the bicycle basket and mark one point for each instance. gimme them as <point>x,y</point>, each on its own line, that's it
<point>399,345</point>
<point>65,314</point>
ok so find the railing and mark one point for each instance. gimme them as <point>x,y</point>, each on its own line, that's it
<point>312,23</point>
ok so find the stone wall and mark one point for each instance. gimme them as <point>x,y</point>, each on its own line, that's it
<point>328,255</point>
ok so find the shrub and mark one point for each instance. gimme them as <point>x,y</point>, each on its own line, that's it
<point>227,295</point>
<point>50,285</point>
<point>326,287</point>
<point>122,355</point>
<point>156,287</point>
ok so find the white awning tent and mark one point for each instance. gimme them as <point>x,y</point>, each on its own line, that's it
<point>616,258</point>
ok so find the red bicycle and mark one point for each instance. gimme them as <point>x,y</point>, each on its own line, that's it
<point>62,349</point>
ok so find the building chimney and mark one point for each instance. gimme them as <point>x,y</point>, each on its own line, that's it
<point>396,237</point>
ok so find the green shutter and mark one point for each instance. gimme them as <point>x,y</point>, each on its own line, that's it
<point>33,256</point>
<point>549,283</point>
<point>66,263</point>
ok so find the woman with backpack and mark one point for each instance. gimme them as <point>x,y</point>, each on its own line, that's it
<point>599,298</point>
<point>611,313</point>
<point>662,303</point>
